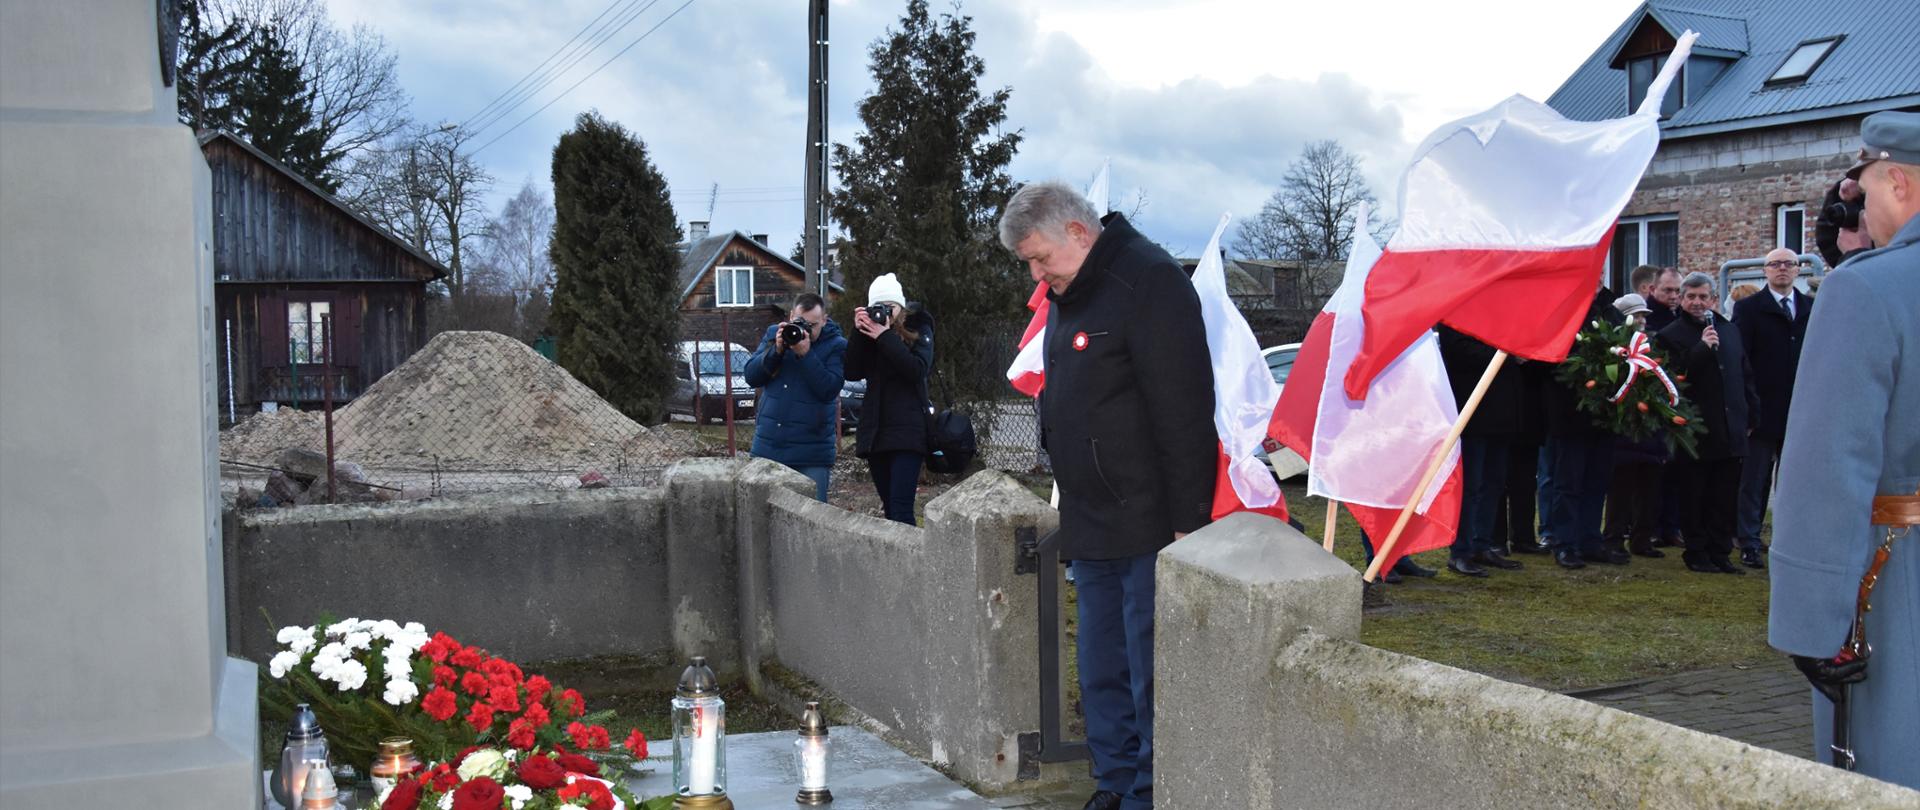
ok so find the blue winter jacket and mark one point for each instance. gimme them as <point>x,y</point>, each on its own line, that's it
<point>801,394</point>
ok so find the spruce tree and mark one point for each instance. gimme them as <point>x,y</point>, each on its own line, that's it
<point>922,189</point>
<point>274,107</point>
<point>616,306</point>
<point>211,66</point>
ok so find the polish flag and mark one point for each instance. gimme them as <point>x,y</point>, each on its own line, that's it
<point>1243,394</point>
<point>1505,221</point>
<point>1370,455</point>
<point>1028,372</point>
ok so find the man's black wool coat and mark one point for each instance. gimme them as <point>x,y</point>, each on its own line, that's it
<point>1127,413</point>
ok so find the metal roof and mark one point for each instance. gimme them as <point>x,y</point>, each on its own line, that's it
<point>1876,67</point>
<point>697,258</point>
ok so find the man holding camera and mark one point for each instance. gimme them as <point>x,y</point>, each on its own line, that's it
<point>798,366</point>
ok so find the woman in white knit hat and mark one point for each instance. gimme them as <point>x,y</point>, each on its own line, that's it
<point>892,349</point>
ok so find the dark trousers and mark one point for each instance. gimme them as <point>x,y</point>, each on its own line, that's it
<point>1513,520</point>
<point>1543,484</point>
<point>1708,491</point>
<point>1582,471</point>
<point>1756,488</point>
<point>896,477</point>
<point>1116,673</point>
<point>1633,502</point>
<point>1483,461</point>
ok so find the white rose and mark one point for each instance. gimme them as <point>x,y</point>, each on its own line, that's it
<point>484,762</point>
<point>359,640</point>
<point>282,662</point>
<point>343,627</point>
<point>399,669</point>
<point>288,634</point>
<point>400,693</point>
<point>385,628</point>
<point>304,643</point>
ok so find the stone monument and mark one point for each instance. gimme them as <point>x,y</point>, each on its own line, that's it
<point>115,685</point>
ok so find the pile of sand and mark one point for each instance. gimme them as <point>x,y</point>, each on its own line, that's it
<point>260,437</point>
<point>479,401</point>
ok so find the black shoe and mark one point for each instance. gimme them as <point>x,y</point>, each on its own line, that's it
<point>1391,577</point>
<point>1567,558</point>
<point>1645,549</point>
<point>1701,567</point>
<point>1750,557</point>
<point>1407,567</point>
<point>1527,547</point>
<point>1607,556</point>
<point>1669,541</point>
<point>1492,560</point>
<point>1724,566</point>
<point>1103,800</point>
<point>1465,568</point>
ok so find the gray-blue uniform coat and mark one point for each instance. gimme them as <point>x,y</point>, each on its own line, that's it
<point>1858,436</point>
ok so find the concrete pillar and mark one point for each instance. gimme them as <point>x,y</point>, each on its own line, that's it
<point>115,686</point>
<point>753,518</point>
<point>702,574</point>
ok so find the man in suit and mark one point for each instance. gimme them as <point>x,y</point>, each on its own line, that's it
<point>1772,324</point>
<point>1850,475</point>
<point>1707,350</point>
<point>1127,419</point>
<point>1483,452</point>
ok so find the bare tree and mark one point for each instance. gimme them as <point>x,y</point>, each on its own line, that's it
<point>426,189</point>
<point>462,185</point>
<point>516,250</point>
<point>1310,219</point>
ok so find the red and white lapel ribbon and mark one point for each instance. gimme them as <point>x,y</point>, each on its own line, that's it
<point>1638,360</point>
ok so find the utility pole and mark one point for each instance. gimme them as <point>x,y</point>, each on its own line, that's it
<point>814,251</point>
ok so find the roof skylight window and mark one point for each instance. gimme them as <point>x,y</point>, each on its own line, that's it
<point>1802,62</point>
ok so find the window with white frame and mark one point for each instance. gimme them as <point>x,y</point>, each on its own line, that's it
<point>1790,227</point>
<point>307,323</point>
<point>733,286</point>
<point>1651,240</point>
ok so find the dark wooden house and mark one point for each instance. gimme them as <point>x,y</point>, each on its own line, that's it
<point>732,286</point>
<point>290,262</point>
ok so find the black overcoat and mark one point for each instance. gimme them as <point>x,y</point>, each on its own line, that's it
<point>1772,341</point>
<point>894,416</point>
<point>1720,383</point>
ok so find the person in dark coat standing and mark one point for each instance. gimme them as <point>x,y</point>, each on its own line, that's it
<point>1127,418</point>
<point>1639,467</point>
<point>1484,450</point>
<point>895,356</point>
<point>1580,455</point>
<point>1707,350</point>
<point>1515,522</point>
<point>800,393</point>
<point>1664,304</point>
<point>1772,325</point>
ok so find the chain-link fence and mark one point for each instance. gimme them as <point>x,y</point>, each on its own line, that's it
<point>469,412</point>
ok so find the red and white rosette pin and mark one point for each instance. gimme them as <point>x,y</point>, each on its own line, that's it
<point>1079,341</point>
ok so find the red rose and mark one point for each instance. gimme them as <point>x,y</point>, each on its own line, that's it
<point>538,686</point>
<point>537,714</point>
<point>443,778</point>
<point>542,773</point>
<point>474,683</point>
<point>578,764</point>
<point>481,793</point>
<point>405,795</point>
<point>480,716</point>
<point>637,744</point>
<point>505,698</point>
<point>596,794</point>
<point>439,647</point>
<point>469,657</point>
<point>574,703</point>
<point>440,704</point>
<point>520,733</point>
<point>444,675</point>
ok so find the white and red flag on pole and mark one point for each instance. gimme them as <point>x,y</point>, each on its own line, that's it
<point>1243,394</point>
<point>1369,455</point>
<point>1028,372</point>
<point>1505,221</point>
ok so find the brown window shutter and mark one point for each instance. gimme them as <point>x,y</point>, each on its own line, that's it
<point>271,309</point>
<point>347,308</point>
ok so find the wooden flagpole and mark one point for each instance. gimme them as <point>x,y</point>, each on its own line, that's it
<point>1433,468</point>
<point>1333,519</point>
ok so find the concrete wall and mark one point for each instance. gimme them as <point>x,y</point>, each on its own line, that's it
<point>1266,700</point>
<point>926,630</point>
<point>114,679</point>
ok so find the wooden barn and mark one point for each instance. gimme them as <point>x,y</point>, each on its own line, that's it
<point>732,286</point>
<point>288,259</point>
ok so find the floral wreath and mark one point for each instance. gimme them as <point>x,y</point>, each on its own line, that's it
<point>1620,379</point>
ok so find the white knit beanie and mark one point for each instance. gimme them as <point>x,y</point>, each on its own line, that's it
<point>886,289</point>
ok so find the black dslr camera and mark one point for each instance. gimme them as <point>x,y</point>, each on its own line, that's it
<point>1844,214</point>
<point>794,331</point>
<point>878,313</point>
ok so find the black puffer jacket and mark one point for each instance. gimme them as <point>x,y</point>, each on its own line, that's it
<point>1127,414</point>
<point>894,416</point>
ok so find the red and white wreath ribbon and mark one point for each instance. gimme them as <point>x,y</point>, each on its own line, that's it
<point>1638,360</point>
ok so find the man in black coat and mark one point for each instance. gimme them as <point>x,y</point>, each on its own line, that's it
<point>1127,418</point>
<point>1580,465</point>
<point>1772,325</point>
<point>1484,451</point>
<point>1707,350</point>
<point>1663,304</point>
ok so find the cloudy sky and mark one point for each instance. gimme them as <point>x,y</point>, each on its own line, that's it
<point>1200,104</point>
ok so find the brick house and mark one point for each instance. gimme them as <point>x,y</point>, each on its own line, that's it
<point>732,286</point>
<point>1763,119</point>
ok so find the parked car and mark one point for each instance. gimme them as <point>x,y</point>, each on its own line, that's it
<point>701,388</point>
<point>1284,462</point>
<point>853,394</point>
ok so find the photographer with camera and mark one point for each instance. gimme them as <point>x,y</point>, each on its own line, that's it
<point>1837,230</point>
<point>798,364</point>
<point>892,349</point>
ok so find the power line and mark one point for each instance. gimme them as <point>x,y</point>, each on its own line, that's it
<point>583,79</point>
<point>550,57</point>
<point>580,52</point>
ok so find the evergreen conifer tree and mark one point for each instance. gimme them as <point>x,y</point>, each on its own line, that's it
<point>921,192</point>
<point>210,68</point>
<point>616,308</point>
<point>273,105</point>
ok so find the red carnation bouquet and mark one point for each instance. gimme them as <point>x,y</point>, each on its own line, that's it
<point>515,779</point>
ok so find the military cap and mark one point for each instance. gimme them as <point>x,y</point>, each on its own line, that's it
<point>1888,135</point>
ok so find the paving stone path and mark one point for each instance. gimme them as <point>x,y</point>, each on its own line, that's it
<point>1765,706</point>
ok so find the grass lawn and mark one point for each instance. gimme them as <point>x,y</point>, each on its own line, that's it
<point>1558,629</point>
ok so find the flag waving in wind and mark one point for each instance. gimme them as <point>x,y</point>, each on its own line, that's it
<point>1505,221</point>
<point>1243,394</point>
